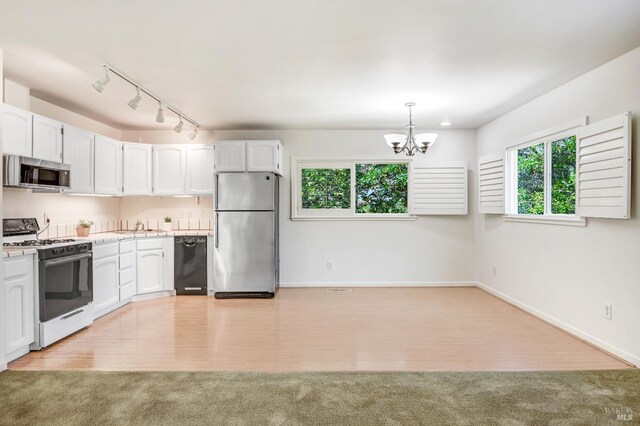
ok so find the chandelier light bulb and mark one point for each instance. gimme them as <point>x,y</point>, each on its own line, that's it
<point>410,144</point>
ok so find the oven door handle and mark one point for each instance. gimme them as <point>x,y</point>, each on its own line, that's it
<point>66,259</point>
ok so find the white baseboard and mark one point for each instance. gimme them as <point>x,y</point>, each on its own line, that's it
<point>149,296</point>
<point>564,326</point>
<point>381,284</point>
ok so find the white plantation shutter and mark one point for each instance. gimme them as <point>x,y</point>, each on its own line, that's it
<point>603,173</point>
<point>439,189</point>
<point>491,184</point>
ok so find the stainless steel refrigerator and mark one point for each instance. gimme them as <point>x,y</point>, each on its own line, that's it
<point>246,248</point>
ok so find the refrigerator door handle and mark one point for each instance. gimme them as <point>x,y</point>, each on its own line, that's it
<point>215,189</point>
<point>216,230</point>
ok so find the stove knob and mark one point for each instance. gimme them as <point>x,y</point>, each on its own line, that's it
<point>72,248</point>
<point>85,247</point>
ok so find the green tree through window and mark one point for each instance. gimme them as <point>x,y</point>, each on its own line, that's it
<point>531,177</point>
<point>563,176</point>
<point>326,188</point>
<point>381,188</point>
<point>531,180</point>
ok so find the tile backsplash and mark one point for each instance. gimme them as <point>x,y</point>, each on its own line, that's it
<point>107,213</point>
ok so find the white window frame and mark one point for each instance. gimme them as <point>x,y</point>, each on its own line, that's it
<point>298,213</point>
<point>546,137</point>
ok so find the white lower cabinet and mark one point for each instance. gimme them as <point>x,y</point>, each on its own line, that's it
<point>127,270</point>
<point>19,288</point>
<point>106,278</point>
<point>150,265</point>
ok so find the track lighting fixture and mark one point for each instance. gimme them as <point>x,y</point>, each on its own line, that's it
<point>160,115</point>
<point>178,127</point>
<point>99,85</point>
<point>133,103</point>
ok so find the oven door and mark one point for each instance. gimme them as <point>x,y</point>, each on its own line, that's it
<point>66,284</point>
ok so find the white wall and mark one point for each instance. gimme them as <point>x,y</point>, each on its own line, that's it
<point>431,249</point>
<point>569,273</point>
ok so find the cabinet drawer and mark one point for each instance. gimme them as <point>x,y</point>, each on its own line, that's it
<point>104,250</point>
<point>127,276</point>
<point>17,267</point>
<point>149,244</point>
<point>127,246</point>
<point>127,260</point>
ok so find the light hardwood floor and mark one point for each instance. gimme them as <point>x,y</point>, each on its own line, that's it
<point>400,329</point>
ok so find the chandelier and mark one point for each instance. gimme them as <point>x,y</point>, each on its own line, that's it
<point>410,143</point>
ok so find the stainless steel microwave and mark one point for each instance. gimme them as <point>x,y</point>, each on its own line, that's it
<point>31,173</point>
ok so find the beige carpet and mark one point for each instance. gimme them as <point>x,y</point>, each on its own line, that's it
<point>501,398</point>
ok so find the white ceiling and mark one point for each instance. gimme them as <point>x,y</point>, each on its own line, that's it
<point>311,64</point>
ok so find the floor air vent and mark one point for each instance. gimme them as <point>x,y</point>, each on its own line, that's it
<point>339,290</point>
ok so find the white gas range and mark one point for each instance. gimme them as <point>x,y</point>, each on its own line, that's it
<point>64,280</point>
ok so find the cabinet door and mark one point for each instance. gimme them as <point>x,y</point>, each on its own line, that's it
<point>16,131</point>
<point>199,170</point>
<point>168,263</point>
<point>106,282</point>
<point>230,156</point>
<point>107,166</point>
<point>136,169</point>
<point>263,156</point>
<point>168,169</point>
<point>19,306</point>
<point>47,139</point>
<point>150,272</point>
<point>78,152</point>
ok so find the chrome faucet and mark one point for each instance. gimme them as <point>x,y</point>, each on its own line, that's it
<point>139,226</point>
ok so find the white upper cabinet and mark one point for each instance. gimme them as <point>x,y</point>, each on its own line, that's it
<point>230,156</point>
<point>78,152</point>
<point>107,166</point>
<point>16,131</point>
<point>248,156</point>
<point>264,156</point>
<point>47,139</point>
<point>199,170</point>
<point>136,168</point>
<point>169,169</point>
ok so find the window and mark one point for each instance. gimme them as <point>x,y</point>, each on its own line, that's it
<point>543,177</point>
<point>350,189</point>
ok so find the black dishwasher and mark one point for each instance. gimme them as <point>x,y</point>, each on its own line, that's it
<point>190,265</point>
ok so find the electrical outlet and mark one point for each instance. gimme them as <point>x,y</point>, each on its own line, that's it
<point>329,265</point>
<point>495,272</point>
<point>608,311</point>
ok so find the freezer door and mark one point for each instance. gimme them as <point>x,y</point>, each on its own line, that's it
<point>245,191</point>
<point>244,252</point>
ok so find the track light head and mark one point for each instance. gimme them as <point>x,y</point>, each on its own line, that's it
<point>99,85</point>
<point>193,134</point>
<point>178,127</point>
<point>160,115</point>
<point>133,103</point>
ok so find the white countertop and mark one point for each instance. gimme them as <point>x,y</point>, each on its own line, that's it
<point>107,237</point>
